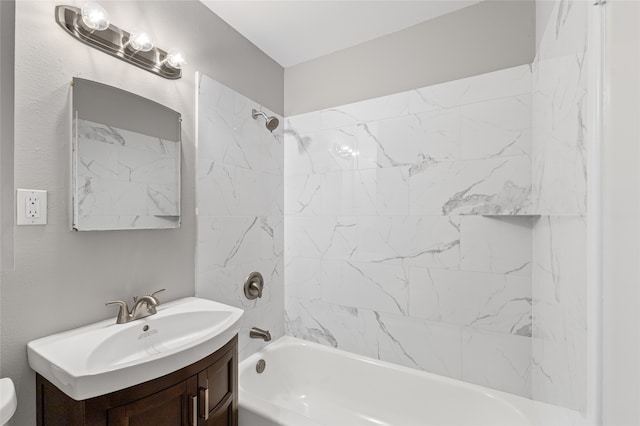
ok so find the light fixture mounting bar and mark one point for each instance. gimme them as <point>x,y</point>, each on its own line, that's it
<point>113,41</point>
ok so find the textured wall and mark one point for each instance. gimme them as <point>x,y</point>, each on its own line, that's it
<point>239,201</point>
<point>386,251</point>
<point>63,276</point>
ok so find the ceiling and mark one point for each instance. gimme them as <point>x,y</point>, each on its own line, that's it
<point>296,31</point>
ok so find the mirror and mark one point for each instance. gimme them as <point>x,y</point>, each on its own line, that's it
<point>126,160</point>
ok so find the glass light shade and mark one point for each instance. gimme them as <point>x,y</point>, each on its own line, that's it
<point>175,59</point>
<point>141,41</point>
<point>95,17</point>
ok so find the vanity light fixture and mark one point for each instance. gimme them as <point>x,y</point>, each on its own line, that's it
<point>140,42</point>
<point>175,59</point>
<point>91,25</point>
<point>95,17</point>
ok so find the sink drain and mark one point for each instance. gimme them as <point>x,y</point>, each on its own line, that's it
<point>260,366</point>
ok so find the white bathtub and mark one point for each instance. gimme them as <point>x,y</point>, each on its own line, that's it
<point>306,383</point>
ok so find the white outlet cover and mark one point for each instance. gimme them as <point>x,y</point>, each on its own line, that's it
<point>21,207</point>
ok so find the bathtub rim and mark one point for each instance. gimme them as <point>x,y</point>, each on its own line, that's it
<point>537,412</point>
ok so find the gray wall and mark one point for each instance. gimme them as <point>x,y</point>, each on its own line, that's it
<point>7,12</point>
<point>62,278</point>
<point>489,36</point>
<point>621,208</point>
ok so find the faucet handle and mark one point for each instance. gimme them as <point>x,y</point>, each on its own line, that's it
<point>135,298</point>
<point>156,292</point>
<point>123,313</point>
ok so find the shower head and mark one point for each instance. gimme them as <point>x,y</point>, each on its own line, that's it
<point>271,122</point>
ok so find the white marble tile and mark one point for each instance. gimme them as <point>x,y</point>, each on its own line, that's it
<point>497,361</point>
<point>349,193</point>
<point>304,277</point>
<point>303,195</point>
<point>500,244</point>
<point>228,241</point>
<point>228,134</point>
<point>493,85</point>
<point>266,316</point>
<point>373,286</point>
<point>226,285</point>
<point>409,140</point>
<point>215,188</point>
<point>560,131</point>
<point>488,186</point>
<point>320,152</point>
<point>392,196</point>
<point>559,274</point>
<point>240,200</point>
<point>416,343</point>
<point>559,371</point>
<point>429,241</point>
<point>325,323</point>
<point>229,190</point>
<point>496,128</point>
<point>322,237</point>
<point>564,31</point>
<point>559,188</point>
<point>492,302</point>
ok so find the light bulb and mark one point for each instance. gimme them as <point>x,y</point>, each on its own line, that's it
<point>175,59</point>
<point>140,41</point>
<point>95,17</point>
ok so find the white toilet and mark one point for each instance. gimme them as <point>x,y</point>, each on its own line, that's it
<point>8,400</point>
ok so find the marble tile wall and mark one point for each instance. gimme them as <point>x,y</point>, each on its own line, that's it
<point>239,208</point>
<point>559,195</point>
<point>441,228</point>
<point>387,253</point>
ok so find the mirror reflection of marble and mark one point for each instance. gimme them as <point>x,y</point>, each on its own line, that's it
<point>126,160</point>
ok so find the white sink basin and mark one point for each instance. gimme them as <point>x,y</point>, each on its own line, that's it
<point>105,357</point>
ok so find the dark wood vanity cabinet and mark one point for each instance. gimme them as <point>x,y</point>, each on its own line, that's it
<point>203,393</point>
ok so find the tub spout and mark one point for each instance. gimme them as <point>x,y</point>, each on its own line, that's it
<point>257,333</point>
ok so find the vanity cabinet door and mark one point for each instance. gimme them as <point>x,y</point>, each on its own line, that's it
<point>169,407</point>
<point>217,392</point>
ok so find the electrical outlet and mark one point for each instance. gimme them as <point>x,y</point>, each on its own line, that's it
<point>31,207</point>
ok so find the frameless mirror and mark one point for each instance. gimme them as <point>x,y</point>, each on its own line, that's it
<point>126,160</point>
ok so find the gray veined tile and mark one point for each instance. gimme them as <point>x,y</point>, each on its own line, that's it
<point>371,286</point>
<point>496,128</point>
<point>491,302</point>
<point>408,240</point>
<point>497,361</point>
<point>500,244</point>
<point>487,186</point>
<point>415,343</point>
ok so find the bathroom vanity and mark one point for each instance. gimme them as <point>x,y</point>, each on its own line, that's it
<point>203,393</point>
<point>175,367</point>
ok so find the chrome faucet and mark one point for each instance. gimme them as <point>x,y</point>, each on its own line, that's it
<point>143,307</point>
<point>257,333</point>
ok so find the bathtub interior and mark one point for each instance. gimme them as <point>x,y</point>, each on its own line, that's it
<point>333,387</point>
